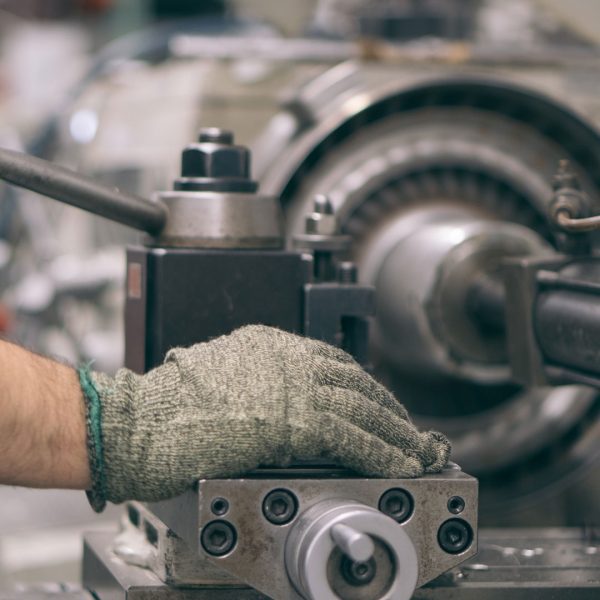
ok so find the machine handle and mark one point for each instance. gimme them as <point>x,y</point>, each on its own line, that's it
<point>72,188</point>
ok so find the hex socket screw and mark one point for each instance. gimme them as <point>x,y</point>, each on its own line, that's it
<point>219,506</point>
<point>456,505</point>
<point>218,538</point>
<point>280,507</point>
<point>398,504</point>
<point>455,536</point>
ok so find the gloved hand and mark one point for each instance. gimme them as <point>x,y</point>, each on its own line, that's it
<point>259,396</point>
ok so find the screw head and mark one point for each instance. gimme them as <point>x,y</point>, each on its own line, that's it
<point>218,538</point>
<point>219,506</point>
<point>358,573</point>
<point>398,504</point>
<point>456,505</point>
<point>455,536</point>
<point>280,507</point>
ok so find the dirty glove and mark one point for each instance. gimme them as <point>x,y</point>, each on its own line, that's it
<point>259,396</point>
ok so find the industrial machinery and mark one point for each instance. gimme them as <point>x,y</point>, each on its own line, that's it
<point>214,259</point>
<point>409,153</point>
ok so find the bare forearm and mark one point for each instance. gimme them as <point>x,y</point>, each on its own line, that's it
<point>42,422</point>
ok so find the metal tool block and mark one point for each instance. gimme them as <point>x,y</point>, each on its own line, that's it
<point>273,531</point>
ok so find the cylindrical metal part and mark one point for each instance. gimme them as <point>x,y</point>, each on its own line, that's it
<point>423,267</point>
<point>320,570</point>
<point>220,220</point>
<point>354,544</point>
<point>567,326</point>
<point>72,188</point>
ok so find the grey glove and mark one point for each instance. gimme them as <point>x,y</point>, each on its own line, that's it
<point>259,396</point>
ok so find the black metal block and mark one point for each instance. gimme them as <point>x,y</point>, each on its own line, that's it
<point>179,297</point>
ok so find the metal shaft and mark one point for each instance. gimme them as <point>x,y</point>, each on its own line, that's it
<point>566,322</point>
<point>72,188</point>
<point>354,544</point>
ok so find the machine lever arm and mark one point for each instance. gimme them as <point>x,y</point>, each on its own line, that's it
<point>72,188</point>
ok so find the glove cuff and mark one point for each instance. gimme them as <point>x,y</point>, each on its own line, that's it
<point>95,444</point>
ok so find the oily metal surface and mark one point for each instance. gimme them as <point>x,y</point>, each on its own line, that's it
<point>258,556</point>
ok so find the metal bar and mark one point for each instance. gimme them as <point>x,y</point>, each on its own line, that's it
<point>567,223</point>
<point>567,327</point>
<point>77,190</point>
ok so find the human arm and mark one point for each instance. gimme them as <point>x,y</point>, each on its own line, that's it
<point>259,396</point>
<point>42,422</point>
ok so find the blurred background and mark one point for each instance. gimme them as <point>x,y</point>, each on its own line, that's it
<point>116,88</point>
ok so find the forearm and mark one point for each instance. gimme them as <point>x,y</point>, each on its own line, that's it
<point>42,422</point>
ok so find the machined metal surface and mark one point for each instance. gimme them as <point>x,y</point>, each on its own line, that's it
<point>422,264</point>
<point>315,557</point>
<point>258,556</point>
<point>109,577</point>
<point>220,220</point>
<point>524,564</point>
<point>381,145</point>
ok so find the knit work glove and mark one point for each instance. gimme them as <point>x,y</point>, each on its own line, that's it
<point>259,396</point>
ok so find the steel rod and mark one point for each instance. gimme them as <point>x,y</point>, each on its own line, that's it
<point>83,192</point>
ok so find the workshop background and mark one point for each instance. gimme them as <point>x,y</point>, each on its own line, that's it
<point>73,76</point>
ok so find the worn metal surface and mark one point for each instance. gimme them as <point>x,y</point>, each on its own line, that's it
<point>258,558</point>
<point>220,220</point>
<point>525,564</point>
<point>110,578</point>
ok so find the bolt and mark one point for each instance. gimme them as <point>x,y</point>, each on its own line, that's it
<point>398,504</point>
<point>219,506</point>
<point>358,573</point>
<point>455,536</point>
<point>280,507</point>
<point>215,135</point>
<point>347,272</point>
<point>218,538</point>
<point>456,505</point>
<point>565,176</point>
<point>214,163</point>
<point>322,205</point>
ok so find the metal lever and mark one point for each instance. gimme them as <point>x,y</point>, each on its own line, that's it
<point>354,544</point>
<point>72,188</point>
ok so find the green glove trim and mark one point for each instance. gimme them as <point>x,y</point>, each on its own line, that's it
<point>97,495</point>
